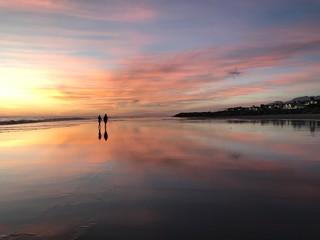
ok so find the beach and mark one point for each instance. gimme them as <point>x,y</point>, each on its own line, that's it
<point>160,179</point>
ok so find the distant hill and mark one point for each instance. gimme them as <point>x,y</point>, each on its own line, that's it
<point>299,99</point>
<point>303,99</point>
<point>276,102</point>
<point>298,105</point>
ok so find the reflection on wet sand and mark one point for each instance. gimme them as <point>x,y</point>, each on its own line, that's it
<point>161,180</point>
<point>99,133</point>
<point>311,125</point>
<point>105,135</point>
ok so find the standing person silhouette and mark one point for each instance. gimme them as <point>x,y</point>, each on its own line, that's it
<point>105,119</point>
<point>99,120</point>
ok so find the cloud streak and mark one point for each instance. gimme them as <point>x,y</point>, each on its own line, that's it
<point>167,81</point>
<point>148,56</point>
<point>124,11</point>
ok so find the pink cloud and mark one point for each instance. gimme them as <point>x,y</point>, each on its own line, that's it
<point>109,11</point>
<point>294,78</point>
<point>162,82</point>
<point>114,44</point>
<point>184,80</point>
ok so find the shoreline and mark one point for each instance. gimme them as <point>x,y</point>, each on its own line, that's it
<point>45,120</point>
<point>315,117</point>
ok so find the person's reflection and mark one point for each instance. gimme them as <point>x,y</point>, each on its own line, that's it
<point>105,134</point>
<point>99,134</point>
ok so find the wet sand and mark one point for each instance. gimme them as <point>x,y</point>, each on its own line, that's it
<point>281,117</point>
<point>160,180</point>
<point>315,117</point>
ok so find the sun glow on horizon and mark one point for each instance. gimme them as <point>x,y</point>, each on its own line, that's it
<point>24,90</point>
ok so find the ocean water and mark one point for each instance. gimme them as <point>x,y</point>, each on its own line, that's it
<point>160,179</point>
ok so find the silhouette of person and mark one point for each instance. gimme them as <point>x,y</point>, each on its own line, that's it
<point>105,135</point>
<point>105,119</point>
<point>99,134</point>
<point>99,119</point>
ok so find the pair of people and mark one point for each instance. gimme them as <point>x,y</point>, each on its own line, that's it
<point>105,119</point>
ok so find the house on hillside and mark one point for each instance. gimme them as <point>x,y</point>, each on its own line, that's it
<point>293,105</point>
<point>275,105</point>
<point>235,109</point>
<point>312,102</point>
<point>254,108</point>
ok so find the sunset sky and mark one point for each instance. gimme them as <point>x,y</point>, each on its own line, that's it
<point>155,57</point>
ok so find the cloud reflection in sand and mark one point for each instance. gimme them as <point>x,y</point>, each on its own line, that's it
<point>55,179</point>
